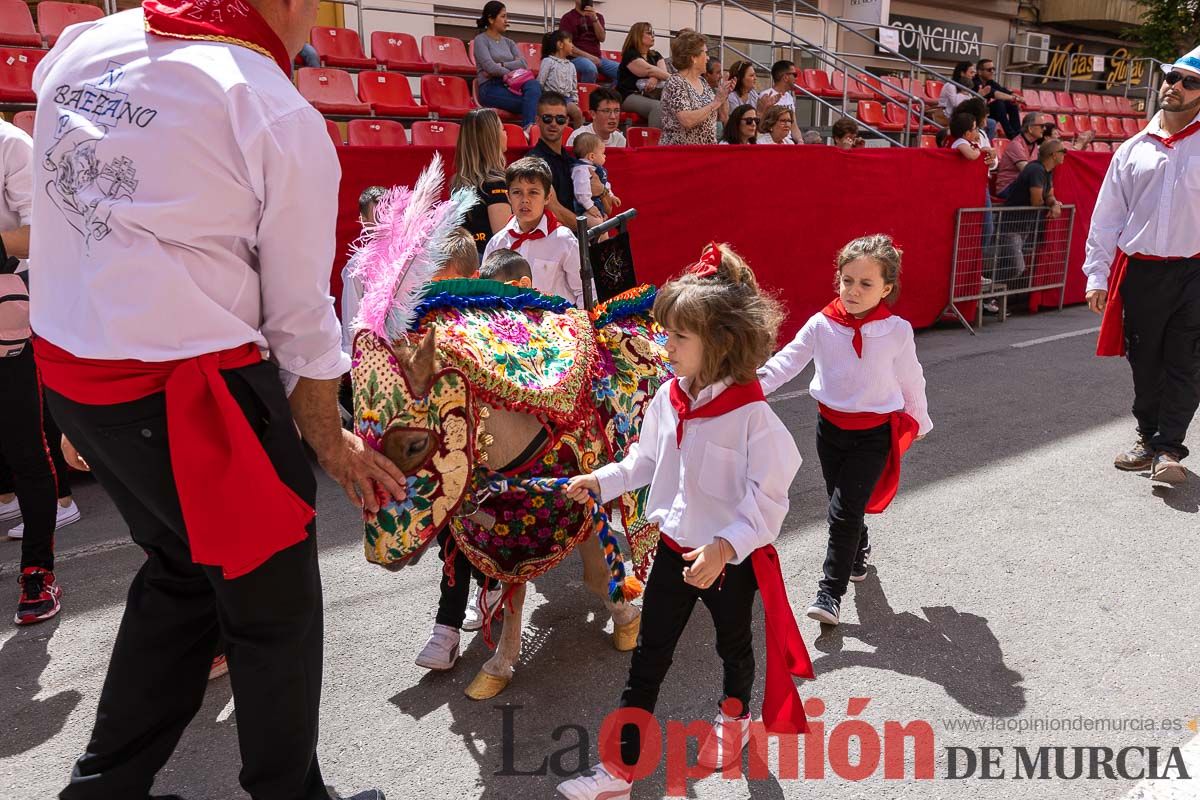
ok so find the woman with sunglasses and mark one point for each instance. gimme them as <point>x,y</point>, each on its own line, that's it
<point>742,127</point>
<point>504,80</point>
<point>641,74</point>
<point>1147,218</point>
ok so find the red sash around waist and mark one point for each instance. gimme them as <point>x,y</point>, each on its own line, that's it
<point>1111,341</point>
<point>237,510</point>
<point>904,433</point>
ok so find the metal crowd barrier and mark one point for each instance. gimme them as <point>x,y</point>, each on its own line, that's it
<point>1004,251</point>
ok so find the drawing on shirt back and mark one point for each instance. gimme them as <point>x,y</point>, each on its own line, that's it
<point>83,186</point>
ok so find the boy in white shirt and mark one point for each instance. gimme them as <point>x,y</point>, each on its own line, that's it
<point>550,249</point>
<point>352,288</point>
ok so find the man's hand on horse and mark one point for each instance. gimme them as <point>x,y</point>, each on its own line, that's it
<point>1097,299</point>
<point>369,478</point>
<point>707,563</point>
<point>580,486</point>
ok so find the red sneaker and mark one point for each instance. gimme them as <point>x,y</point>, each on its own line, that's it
<point>40,596</point>
<point>219,667</point>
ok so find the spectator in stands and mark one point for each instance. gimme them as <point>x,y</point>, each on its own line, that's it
<point>605,105</point>
<point>845,134</point>
<point>479,165</point>
<point>714,75</point>
<point>742,126</point>
<point>813,137</point>
<point>593,191</point>
<point>978,109</point>
<point>557,73</point>
<point>352,287</point>
<point>586,28</point>
<point>965,136</point>
<point>953,95</point>
<point>552,118</point>
<point>690,107</point>
<point>1080,142</point>
<point>462,256</point>
<point>1035,185</point>
<point>1020,151</point>
<point>1002,103</point>
<point>550,248</point>
<point>504,80</point>
<point>507,266</point>
<point>776,126</point>
<point>641,72</point>
<point>745,85</point>
<point>782,93</point>
<point>309,56</point>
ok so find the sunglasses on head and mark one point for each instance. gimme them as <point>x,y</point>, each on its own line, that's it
<point>554,119</point>
<point>1175,76</point>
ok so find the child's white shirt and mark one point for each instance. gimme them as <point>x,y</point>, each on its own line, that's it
<point>730,478</point>
<point>887,378</point>
<point>553,259</point>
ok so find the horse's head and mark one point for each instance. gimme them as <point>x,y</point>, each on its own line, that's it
<point>407,442</point>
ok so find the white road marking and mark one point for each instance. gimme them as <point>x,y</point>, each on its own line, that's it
<point>779,398</point>
<point>1056,337</point>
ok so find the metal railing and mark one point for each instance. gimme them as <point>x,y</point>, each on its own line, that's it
<point>1004,251</point>
<point>586,236</point>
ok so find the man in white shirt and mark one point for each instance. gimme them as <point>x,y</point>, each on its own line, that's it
<point>551,249</point>
<point>782,93</point>
<point>185,216</point>
<point>605,105</point>
<point>1147,217</point>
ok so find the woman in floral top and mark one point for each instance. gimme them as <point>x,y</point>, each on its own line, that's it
<point>690,108</point>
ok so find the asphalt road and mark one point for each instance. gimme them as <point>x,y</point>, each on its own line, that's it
<point>1019,582</point>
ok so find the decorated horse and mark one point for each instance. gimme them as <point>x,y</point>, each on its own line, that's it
<point>488,397</point>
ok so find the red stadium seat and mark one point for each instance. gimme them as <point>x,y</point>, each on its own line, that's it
<point>586,89</point>
<point>1066,125</point>
<point>817,82</point>
<point>446,95</point>
<point>1125,108</point>
<point>933,91</point>
<point>398,52</point>
<point>1142,123</point>
<point>516,136</point>
<point>643,137</point>
<point>389,95</point>
<point>893,117</point>
<point>533,55</point>
<point>1083,123</point>
<point>24,121</point>
<point>339,47</point>
<point>1096,104</point>
<point>1063,102</point>
<point>331,91</point>
<point>901,85</point>
<point>855,90</point>
<point>16,25</point>
<point>869,84</point>
<point>447,55</point>
<point>431,133</point>
<point>928,141</point>
<point>16,74</point>
<point>1080,101</point>
<point>1100,147</point>
<point>376,133</point>
<point>535,134</point>
<point>1115,129</point>
<point>1099,125</point>
<point>1110,105</point>
<point>1129,127</point>
<point>611,55</point>
<point>53,17</point>
<point>335,132</point>
<point>998,146</point>
<point>871,113</point>
<point>1033,100</point>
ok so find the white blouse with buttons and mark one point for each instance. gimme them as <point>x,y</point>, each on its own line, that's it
<point>729,478</point>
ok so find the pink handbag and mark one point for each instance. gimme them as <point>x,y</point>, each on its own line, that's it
<point>14,315</point>
<point>517,79</point>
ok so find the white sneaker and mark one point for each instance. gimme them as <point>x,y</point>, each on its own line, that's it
<point>441,651</point>
<point>478,607</point>
<point>66,515</point>
<point>597,786</point>
<point>713,753</point>
<point>10,510</point>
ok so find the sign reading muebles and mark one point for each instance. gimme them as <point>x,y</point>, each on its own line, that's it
<point>931,38</point>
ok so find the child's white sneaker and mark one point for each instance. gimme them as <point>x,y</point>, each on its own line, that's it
<point>65,515</point>
<point>10,510</point>
<point>480,604</point>
<point>441,651</point>
<point>600,785</point>
<point>724,743</point>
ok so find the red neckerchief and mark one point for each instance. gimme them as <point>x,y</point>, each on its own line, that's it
<point>838,313</point>
<point>535,234</point>
<point>1190,129</point>
<point>735,396</point>
<point>228,21</point>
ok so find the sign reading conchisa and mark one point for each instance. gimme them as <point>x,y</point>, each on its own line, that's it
<point>932,38</point>
<point>1089,72</point>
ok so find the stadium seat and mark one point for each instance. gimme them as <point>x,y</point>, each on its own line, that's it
<point>339,47</point>
<point>446,95</point>
<point>1099,125</point>
<point>643,137</point>
<point>1142,123</point>
<point>1066,126</point>
<point>335,132</point>
<point>535,134</point>
<point>331,91</point>
<point>611,55</point>
<point>1083,123</point>
<point>1115,129</point>
<point>933,91</point>
<point>516,136</point>
<point>389,95</point>
<point>998,146</point>
<point>447,55</point>
<point>398,52</point>
<point>53,17</point>
<point>1080,101</point>
<point>586,89</point>
<point>855,90</point>
<point>871,113</point>
<point>897,88</point>
<point>24,121</point>
<point>1033,100</point>
<point>893,117</point>
<point>16,25</point>
<point>1100,147</point>
<point>817,82</point>
<point>1096,104</point>
<point>1110,105</point>
<point>928,141</point>
<point>376,133</point>
<point>1063,102</point>
<point>16,74</point>
<point>1125,107</point>
<point>431,133</point>
<point>533,55</point>
<point>1129,126</point>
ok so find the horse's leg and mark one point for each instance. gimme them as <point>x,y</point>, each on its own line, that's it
<point>626,617</point>
<point>497,671</point>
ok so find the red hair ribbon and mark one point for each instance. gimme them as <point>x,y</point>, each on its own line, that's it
<point>709,263</point>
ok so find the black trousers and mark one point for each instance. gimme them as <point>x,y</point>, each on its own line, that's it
<point>452,604</point>
<point>1008,114</point>
<point>1162,342</point>
<point>666,609</point>
<point>24,460</point>
<point>270,620</point>
<point>53,436</point>
<point>851,462</point>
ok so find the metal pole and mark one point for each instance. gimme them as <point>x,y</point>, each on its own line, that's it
<point>585,264</point>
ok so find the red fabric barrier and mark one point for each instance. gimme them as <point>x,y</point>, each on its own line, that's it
<point>786,209</point>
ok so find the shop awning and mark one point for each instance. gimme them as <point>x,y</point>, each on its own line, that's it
<point>1109,15</point>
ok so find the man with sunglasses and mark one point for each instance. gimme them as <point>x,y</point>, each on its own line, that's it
<point>1146,227</point>
<point>1021,150</point>
<point>1002,103</point>
<point>551,122</point>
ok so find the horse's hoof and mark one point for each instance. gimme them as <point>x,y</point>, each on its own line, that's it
<point>624,637</point>
<point>486,686</point>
